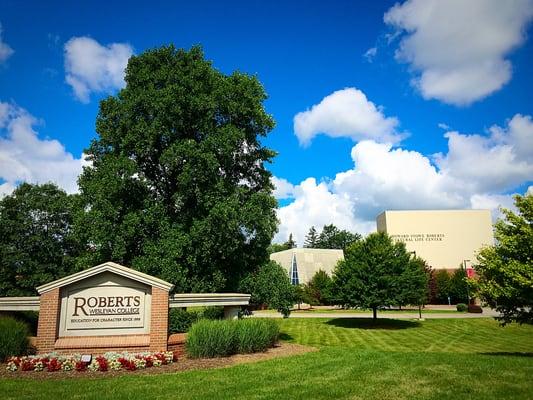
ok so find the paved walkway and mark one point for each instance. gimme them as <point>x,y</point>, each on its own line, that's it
<point>487,313</point>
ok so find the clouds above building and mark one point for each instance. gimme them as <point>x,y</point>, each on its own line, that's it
<point>459,50</point>
<point>24,157</point>
<point>91,67</point>
<point>477,171</point>
<point>346,113</point>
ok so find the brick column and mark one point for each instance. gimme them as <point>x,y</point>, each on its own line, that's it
<point>47,327</point>
<point>159,320</point>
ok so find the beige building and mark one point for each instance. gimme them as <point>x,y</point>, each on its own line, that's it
<point>302,264</point>
<point>446,239</point>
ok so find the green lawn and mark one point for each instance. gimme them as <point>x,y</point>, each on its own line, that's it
<point>360,311</point>
<point>433,359</point>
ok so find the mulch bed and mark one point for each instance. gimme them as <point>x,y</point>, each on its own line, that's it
<point>183,364</point>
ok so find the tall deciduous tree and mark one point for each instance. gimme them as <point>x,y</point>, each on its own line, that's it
<point>36,241</point>
<point>505,271</point>
<point>372,274</point>
<point>413,283</point>
<point>178,186</point>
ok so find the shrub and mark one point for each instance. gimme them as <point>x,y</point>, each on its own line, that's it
<point>213,313</point>
<point>255,335</point>
<point>473,308</point>
<point>180,320</point>
<point>210,338</point>
<point>462,307</point>
<point>13,338</point>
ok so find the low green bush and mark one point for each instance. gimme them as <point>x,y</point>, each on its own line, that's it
<point>255,335</point>
<point>13,338</point>
<point>219,338</point>
<point>180,320</point>
<point>213,312</point>
<point>462,307</point>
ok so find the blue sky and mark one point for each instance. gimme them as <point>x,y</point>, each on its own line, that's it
<point>370,146</point>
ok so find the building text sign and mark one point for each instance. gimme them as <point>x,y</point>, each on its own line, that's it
<point>419,237</point>
<point>105,307</point>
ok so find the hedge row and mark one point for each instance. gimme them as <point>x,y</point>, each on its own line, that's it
<point>208,338</point>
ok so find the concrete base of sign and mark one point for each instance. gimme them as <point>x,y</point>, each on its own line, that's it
<point>231,312</point>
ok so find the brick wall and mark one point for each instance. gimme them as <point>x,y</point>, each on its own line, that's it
<point>47,327</point>
<point>159,320</point>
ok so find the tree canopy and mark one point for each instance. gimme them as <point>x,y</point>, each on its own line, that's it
<point>330,237</point>
<point>36,239</point>
<point>378,272</point>
<point>318,289</point>
<point>505,270</point>
<point>178,186</point>
<point>271,286</point>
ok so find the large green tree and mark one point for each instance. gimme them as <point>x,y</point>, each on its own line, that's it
<point>375,273</point>
<point>36,241</point>
<point>505,270</point>
<point>178,186</point>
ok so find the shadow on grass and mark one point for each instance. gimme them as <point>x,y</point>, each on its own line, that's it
<point>508,354</point>
<point>368,323</point>
<point>285,336</point>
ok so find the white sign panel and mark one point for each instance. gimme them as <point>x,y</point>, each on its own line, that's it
<point>105,308</point>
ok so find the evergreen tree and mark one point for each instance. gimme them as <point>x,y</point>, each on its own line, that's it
<point>290,243</point>
<point>311,239</point>
<point>332,237</point>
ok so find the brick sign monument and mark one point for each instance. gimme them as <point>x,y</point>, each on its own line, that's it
<point>107,307</point>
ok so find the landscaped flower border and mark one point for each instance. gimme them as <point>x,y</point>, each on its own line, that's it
<point>110,361</point>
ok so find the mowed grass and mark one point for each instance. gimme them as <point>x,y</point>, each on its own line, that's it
<point>434,359</point>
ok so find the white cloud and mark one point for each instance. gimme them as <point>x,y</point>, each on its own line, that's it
<point>458,49</point>
<point>26,157</point>
<point>91,67</point>
<point>370,54</point>
<point>476,172</point>
<point>316,205</point>
<point>346,113</point>
<point>5,50</point>
<point>283,189</point>
<point>498,162</point>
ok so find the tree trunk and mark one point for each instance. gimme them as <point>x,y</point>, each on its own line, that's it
<point>374,313</point>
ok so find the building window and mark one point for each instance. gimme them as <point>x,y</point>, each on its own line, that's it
<point>294,271</point>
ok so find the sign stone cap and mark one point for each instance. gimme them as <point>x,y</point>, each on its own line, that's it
<point>107,267</point>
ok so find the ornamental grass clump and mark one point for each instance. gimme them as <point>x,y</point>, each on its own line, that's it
<point>13,338</point>
<point>255,335</point>
<point>211,338</point>
<point>223,338</point>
